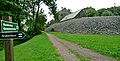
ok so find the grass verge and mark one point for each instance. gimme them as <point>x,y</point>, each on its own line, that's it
<point>39,48</point>
<point>108,45</point>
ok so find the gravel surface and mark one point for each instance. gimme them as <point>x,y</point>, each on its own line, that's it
<point>89,25</point>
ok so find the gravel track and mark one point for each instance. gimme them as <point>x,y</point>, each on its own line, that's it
<point>64,52</point>
<point>64,46</point>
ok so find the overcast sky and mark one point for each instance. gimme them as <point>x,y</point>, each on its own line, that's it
<point>75,5</point>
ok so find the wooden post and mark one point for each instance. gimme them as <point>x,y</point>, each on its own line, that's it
<point>9,50</point>
<point>9,56</point>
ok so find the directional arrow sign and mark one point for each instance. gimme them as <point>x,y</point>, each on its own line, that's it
<point>12,35</point>
<point>7,26</point>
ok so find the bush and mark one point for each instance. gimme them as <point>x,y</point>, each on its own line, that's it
<point>90,12</point>
<point>107,13</point>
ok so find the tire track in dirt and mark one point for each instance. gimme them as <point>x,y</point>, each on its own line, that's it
<point>64,52</point>
<point>80,50</point>
<point>86,52</point>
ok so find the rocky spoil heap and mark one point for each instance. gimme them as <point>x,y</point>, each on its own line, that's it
<point>89,25</point>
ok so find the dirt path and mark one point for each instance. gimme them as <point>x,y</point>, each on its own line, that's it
<point>65,53</point>
<point>64,46</point>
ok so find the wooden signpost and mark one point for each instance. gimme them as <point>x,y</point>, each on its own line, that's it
<point>9,52</point>
<point>9,31</point>
<point>12,35</point>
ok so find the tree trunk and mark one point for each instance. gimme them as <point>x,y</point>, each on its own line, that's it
<point>35,27</point>
<point>33,11</point>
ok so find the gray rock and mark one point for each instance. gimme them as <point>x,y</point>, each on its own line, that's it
<point>89,25</point>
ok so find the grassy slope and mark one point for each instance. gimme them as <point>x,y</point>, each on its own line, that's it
<point>39,48</point>
<point>105,44</point>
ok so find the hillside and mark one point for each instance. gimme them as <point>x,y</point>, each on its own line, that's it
<point>89,25</point>
<point>39,48</point>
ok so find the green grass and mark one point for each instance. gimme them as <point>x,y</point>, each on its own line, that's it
<point>39,48</point>
<point>104,44</point>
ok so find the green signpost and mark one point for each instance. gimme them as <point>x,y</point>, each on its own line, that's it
<point>8,32</point>
<point>7,26</point>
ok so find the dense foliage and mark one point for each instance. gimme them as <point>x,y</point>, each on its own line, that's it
<point>112,11</point>
<point>104,44</point>
<point>40,22</point>
<point>29,12</point>
<point>107,13</point>
<point>89,11</point>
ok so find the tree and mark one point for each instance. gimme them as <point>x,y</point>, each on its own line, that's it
<point>27,9</point>
<point>13,9</point>
<point>100,11</point>
<point>52,7</point>
<point>89,11</point>
<point>40,22</point>
<point>115,10</point>
<point>107,13</point>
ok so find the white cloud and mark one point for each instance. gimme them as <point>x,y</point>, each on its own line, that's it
<point>80,4</point>
<point>49,17</point>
